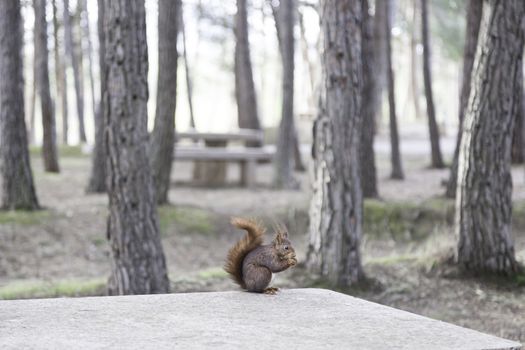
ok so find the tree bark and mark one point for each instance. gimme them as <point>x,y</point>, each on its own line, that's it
<point>32,104</point>
<point>286,140</point>
<point>380,70</point>
<point>518,137</point>
<point>189,84</point>
<point>18,191</point>
<point>414,62</point>
<point>244,86</point>
<point>484,206</point>
<point>73,59</point>
<point>60,74</point>
<point>138,263</point>
<point>49,149</point>
<point>97,180</point>
<point>474,10</point>
<point>437,158</point>
<point>395,154</point>
<point>368,106</point>
<point>278,19</point>
<point>86,35</point>
<point>337,204</point>
<point>163,138</point>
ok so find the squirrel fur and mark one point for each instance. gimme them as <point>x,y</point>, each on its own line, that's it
<point>251,264</point>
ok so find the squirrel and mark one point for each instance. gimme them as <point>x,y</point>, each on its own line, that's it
<point>251,263</point>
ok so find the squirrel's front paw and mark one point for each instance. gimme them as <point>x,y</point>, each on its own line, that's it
<point>271,290</point>
<point>292,261</point>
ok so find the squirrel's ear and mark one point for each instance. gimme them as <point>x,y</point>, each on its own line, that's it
<point>278,238</point>
<point>284,234</point>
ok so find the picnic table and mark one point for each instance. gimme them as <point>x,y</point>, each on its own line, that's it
<point>211,151</point>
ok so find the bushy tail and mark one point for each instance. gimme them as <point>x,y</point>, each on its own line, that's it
<point>252,239</point>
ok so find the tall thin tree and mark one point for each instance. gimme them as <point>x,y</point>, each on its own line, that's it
<point>32,102</point>
<point>414,61</point>
<point>163,137</point>
<point>247,112</point>
<point>337,205</point>
<point>380,68</point>
<point>278,19</point>
<point>284,16</point>
<point>73,60</point>
<point>395,153</point>
<point>189,81</point>
<point>18,191</point>
<point>368,106</point>
<point>437,158</point>
<point>60,76</point>
<point>88,50</point>
<point>97,179</point>
<point>49,149</point>
<point>138,263</point>
<point>484,204</point>
<point>474,9</point>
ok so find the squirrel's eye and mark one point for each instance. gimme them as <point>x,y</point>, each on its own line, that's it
<point>285,247</point>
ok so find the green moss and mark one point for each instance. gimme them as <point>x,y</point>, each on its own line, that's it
<point>520,280</point>
<point>215,272</point>
<point>43,289</point>
<point>518,215</point>
<point>99,241</point>
<point>22,217</point>
<point>63,151</point>
<point>185,219</point>
<point>406,220</point>
<point>392,259</point>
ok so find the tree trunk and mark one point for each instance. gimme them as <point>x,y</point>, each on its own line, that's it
<point>395,156</point>
<point>306,55</point>
<point>32,103</point>
<point>414,82</point>
<point>284,159</point>
<point>278,19</point>
<point>189,84</point>
<point>86,35</point>
<point>79,53</point>
<point>380,69</point>
<point>18,191</point>
<point>97,180</point>
<point>73,58</point>
<point>60,73</point>
<point>49,149</point>
<point>518,144</point>
<point>244,87</point>
<point>484,206</point>
<point>337,204</point>
<point>437,158</point>
<point>368,106</point>
<point>298,158</point>
<point>474,10</point>
<point>138,263</point>
<point>163,137</point>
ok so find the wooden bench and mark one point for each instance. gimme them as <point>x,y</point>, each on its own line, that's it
<point>211,153</point>
<point>244,135</point>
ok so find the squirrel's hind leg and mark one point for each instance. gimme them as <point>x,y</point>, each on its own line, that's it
<point>257,278</point>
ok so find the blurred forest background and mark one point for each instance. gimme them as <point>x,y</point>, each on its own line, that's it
<point>87,176</point>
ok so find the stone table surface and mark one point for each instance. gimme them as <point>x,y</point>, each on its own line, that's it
<point>292,319</point>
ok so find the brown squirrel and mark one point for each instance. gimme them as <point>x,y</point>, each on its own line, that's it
<point>251,264</point>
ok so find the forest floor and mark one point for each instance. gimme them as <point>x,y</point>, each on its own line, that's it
<point>62,250</point>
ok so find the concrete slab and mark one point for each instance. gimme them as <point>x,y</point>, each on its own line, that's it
<point>293,319</point>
